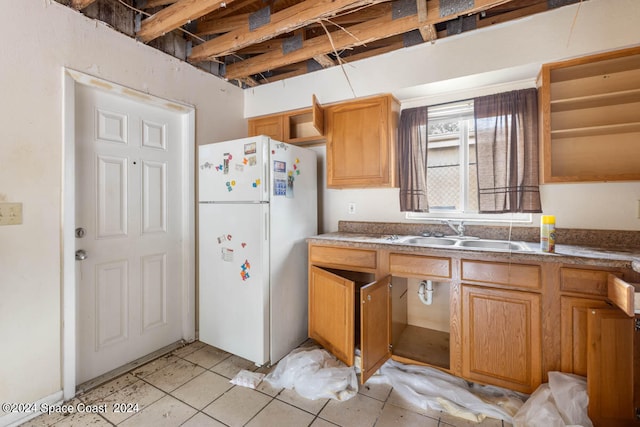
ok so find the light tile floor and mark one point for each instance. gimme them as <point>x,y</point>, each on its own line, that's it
<point>190,387</point>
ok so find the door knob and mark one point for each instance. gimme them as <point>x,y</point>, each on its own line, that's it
<point>80,255</point>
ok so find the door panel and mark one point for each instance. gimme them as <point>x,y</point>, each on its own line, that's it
<point>332,312</point>
<point>129,182</point>
<point>610,368</point>
<point>112,283</point>
<point>154,291</point>
<point>375,326</point>
<point>501,338</point>
<point>154,203</point>
<point>112,192</point>
<point>574,344</point>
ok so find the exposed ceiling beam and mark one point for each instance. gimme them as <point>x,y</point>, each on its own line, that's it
<point>519,13</point>
<point>324,60</point>
<point>287,20</point>
<point>172,17</point>
<point>81,4</point>
<point>428,32</point>
<point>149,4</point>
<point>299,70</point>
<point>221,25</point>
<point>359,34</point>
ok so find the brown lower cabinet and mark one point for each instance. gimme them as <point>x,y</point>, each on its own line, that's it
<point>506,323</point>
<point>501,337</point>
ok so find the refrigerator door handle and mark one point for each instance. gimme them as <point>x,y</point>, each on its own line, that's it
<point>266,177</point>
<point>266,226</point>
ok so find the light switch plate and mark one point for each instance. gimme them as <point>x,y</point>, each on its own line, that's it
<point>10,213</point>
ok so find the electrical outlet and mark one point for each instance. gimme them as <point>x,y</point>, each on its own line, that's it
<point>10,213</point>
<point>351,208</point>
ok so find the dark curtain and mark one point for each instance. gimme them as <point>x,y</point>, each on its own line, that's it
<point>412,147</point>
<point>506,126</point>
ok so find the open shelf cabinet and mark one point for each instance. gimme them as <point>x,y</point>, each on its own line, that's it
<point>590,118</point>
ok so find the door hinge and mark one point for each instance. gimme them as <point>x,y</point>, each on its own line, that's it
<point>390,347</point>
<point>637,324</point>
<point>637,413</point>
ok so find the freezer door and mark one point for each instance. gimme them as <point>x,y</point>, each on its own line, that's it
<point>234,171</point>
<point>293,210</point>
<point>234,279</point>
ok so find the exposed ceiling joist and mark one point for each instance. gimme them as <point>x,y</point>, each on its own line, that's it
<point>80,4</point>
<point>324,60</point>
<point>174,16</point>
<point>428,32</point>
<point>262,41</point>
<point>358,34</point>
<point>150,4</point>
<point>222,25</point>
<point>287,20</point>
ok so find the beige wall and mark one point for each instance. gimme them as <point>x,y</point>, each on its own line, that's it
<point>499,58</point>
<point>39,39</point>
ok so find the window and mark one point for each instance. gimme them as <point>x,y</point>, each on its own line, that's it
<point>451,167</point>
<point>452,184</point>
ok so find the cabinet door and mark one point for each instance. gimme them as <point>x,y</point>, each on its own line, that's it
<point>573,332</point>
<point>501,338</point>
<point>332,313</point>
<point>361,143</point>
<point>271,126</point>
<point>375,326</point>
<point>610,365</point>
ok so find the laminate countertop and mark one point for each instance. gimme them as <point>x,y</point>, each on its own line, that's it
<point>569,254</point>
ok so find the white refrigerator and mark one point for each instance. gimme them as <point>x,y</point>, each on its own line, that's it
<point>257,205</point>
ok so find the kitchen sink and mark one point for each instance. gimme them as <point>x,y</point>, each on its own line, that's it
<point>465,242</point>
<point>430,241</point>
<point>493,244</point>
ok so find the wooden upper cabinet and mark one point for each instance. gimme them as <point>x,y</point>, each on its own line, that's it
<point>270,126</point>
<point>590,118</point>
<point>301,126</point>
<point>361,142</point>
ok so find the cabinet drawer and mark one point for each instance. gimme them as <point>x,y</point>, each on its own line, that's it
<point>417,265</point>
<point>343,257</point>
<point>624,295</point>
<point>591,282</point>
<point>521,275</point>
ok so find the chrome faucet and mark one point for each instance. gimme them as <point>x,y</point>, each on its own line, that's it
<point>459,229</point>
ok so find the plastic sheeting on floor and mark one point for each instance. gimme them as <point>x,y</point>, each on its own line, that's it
<point>314,374</point>
<point>561,402</point>
<point>432,389</point>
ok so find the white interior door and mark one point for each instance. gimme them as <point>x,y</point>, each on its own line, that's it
<point>128,203</point>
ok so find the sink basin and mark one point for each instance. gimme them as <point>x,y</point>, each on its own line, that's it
<point>465,242</point>
<point>493,244</point>
<point>430,241</point>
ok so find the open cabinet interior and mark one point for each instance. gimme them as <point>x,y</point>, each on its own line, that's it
<point>591,118</point>
<point>420,321</point>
